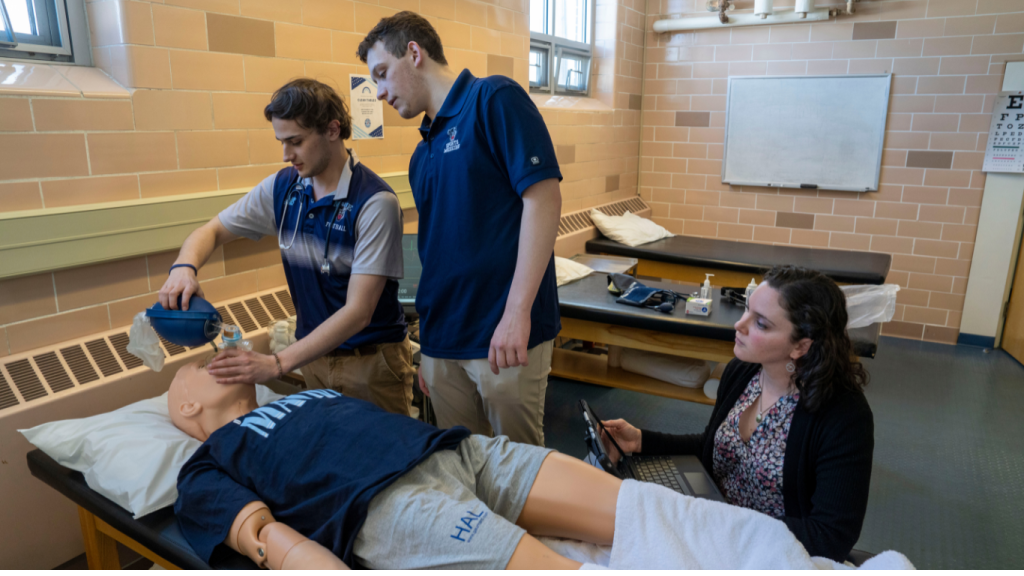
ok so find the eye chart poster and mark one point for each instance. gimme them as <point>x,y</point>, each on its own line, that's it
<point>1005,149</point>
<point>367,111</point>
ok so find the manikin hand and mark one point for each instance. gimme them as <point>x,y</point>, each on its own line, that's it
<point>271,544</point>
<point>235,366</point>
<point>182,281</point>
<point>627,436</point>
<point>508,345</point>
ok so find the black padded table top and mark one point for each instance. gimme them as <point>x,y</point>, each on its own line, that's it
<point>589,299</point>
<point>839,265</point>
<point>158,531</point>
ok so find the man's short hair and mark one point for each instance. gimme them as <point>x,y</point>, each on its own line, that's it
<point>312,104</point>
<point>395,32</point>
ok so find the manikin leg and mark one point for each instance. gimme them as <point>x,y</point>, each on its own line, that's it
<point>569,499</point>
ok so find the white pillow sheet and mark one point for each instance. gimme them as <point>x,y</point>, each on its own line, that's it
<point>628,229</point>
<point>131,455</point>
<point>569,270</point>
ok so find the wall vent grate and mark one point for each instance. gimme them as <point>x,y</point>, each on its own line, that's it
<point>26,380</point>
<point>262,319</point>
<point>244,320</point>
<point>286,301</point>
<point>172,348</point>
<point>581,220</point>
<point>225,316</point>
<point>619,208</point>
<point>53,372</point>
<point>574,223</point>
<point>275,309</point>
<point>79,364</point>
<point>120,342</point>
<point>7,397</point>
<point>103,357</point>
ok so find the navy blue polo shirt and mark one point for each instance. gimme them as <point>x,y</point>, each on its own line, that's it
<point>487,145</point>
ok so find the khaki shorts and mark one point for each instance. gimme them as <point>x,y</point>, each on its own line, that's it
<point>511,403</point>
<point>384,378</point>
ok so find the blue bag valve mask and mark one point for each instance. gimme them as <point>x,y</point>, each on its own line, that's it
<point>195,327</point>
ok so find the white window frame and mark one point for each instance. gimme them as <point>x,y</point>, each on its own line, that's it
<point>72,29</point>
<point>554,47</point>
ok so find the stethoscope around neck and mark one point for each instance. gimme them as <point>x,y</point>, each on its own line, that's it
<point>298,188</point>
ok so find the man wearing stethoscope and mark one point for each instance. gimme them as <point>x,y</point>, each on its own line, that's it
<point>339,228</point>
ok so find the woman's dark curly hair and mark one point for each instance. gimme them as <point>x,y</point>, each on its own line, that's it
<point>817,309</point>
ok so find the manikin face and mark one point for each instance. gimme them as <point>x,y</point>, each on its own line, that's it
<point>304,148</point>
<point>196,402</point>
<point>764,333</point>
<point>398,79</point>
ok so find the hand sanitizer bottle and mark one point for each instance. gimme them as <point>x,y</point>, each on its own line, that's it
<point>705,291</point>
<point>750,290</point>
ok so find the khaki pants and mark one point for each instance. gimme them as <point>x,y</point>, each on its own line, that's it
<point>466,393</point>
<point>384,378</point>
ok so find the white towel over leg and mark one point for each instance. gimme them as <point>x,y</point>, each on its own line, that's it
<point>656,528</point>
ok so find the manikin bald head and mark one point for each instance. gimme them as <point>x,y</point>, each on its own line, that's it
<point>198,405</point>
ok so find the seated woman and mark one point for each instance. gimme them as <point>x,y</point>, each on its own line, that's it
<point>317,480</point>
<point>791,434</point>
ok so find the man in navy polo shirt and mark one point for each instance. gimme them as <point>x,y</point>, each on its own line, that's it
<point>339,227</point>
<point>485,180</point>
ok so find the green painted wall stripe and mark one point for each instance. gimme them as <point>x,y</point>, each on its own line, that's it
<point>35,241</point>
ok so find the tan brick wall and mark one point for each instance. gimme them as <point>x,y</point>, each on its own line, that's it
<point>598,150</point>
<point>947,59</point>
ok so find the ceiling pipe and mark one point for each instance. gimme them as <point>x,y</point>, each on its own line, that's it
<point>780,16</point>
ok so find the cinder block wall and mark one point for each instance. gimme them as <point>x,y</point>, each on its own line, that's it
<point>947,59</point>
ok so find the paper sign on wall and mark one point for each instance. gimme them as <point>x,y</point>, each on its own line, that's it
<point>367,111</point>
<point>1005,149</point>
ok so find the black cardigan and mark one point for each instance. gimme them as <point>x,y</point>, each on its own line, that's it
<point>826,470</point>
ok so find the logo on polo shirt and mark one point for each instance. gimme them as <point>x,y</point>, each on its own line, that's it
<point>345,209</point>
<point>535,160</point>
<point>452,144</point>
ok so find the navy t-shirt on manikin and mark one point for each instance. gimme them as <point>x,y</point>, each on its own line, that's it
<point>316,459</point>
<point>487,145</point>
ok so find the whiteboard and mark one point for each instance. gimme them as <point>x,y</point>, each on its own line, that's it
<point>822,132</point>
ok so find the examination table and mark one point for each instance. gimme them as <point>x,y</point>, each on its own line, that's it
<point>688,258</point>
<point>155,536</point>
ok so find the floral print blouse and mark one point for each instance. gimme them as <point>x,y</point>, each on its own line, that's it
<point>750,473</point>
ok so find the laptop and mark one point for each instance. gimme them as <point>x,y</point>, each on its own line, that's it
<point>684,474</point>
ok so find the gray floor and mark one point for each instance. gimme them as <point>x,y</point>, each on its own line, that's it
<point>947,488</point>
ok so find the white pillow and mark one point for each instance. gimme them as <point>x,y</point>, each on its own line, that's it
<point>131,455</point>
<point>628,229</point>
<point>569,270</point>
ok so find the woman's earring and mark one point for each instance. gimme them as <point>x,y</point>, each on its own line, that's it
<point>790,367</point>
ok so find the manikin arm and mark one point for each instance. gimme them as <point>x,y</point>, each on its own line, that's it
<point>271,544</point>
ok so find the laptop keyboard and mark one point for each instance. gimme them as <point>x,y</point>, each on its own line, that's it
<point>661,471</point>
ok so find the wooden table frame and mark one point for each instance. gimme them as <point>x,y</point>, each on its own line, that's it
<point>101,544</point>
<point>595,370</point>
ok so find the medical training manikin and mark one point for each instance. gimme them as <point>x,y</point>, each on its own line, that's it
<point>562,497</point>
